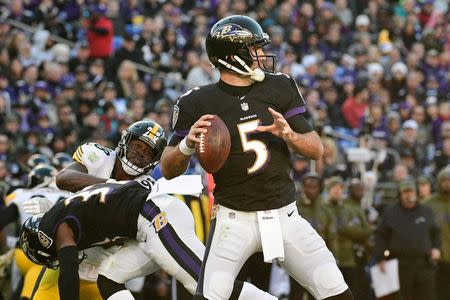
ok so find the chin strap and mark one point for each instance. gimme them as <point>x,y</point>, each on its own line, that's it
<point>256,74</point>
<point>129,170</point>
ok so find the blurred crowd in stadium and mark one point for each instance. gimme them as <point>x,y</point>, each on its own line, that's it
<point>374,74</point>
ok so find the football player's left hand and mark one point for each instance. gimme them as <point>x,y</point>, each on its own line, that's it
<point>279,127</point>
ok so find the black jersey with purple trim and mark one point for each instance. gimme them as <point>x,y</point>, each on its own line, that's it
<point>99,215</point>
<point>256,175</point>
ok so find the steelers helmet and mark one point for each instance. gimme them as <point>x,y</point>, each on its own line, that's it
<point>61,160</point>
<point>237,35</point>
<point>152,134</point>
<point>36,245</point>
<point>37,159</point>
<point>41,176</point>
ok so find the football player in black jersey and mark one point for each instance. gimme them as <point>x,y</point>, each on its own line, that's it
<point>105,215</point>
<point>254,194</point>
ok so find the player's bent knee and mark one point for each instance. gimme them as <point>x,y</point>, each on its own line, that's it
<point>328,277</point>
<point>346,295</point>
<point>215,291</point>
<point>108,287</point>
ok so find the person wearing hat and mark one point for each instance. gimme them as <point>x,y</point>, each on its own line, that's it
<point>97,72</point>
<point>409,232</point>
<point>352,229</point>
<point>424,188</point>
<point>406,143</point>
<point>440,204</point>
<point>128,51</point>
<point>82,56</point>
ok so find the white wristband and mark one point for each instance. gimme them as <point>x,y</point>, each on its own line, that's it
<point>185,149</point>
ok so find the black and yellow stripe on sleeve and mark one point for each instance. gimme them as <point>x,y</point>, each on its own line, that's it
<point>78,155</point>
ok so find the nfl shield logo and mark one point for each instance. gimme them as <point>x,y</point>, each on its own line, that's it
<point>244,106</point>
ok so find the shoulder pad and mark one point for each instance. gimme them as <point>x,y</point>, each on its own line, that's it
<point>91,154</point>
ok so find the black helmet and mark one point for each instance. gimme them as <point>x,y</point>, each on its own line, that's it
<point>41,176</point>
<point>61,160</point>
<point>234,35</point>
<point>36,245</point>
<point>37,159</point>
<point>150,133</point>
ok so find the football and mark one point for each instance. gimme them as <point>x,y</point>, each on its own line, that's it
<point>214,146</point>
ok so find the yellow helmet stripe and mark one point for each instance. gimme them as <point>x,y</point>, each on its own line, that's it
<point>155,129</point>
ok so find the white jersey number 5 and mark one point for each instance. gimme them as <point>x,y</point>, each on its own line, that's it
<point>256,146</point>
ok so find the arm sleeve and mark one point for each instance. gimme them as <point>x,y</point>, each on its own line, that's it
<point>382,235</point>
<point>68,281</point>
<point>8,215</point>
<point>435,232</point>
<point>182,119</point>
<point>295,109</point>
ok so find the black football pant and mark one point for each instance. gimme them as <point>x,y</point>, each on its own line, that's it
<point>443,281</point>
<point>417,279</point>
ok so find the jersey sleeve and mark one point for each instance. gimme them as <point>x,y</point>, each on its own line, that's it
<point>93,156</point>
<point>183,118</point>
<point>295,107</point>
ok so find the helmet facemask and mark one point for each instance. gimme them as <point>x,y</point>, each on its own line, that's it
<point>134,161</point>
<point>33,248</point>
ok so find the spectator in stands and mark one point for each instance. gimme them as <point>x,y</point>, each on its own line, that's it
<point>202,74</point>
<point>83,53</point>
<point>355,106</point>
<point>99,32</point>
<point>127,76</point>
<point>127,51</point>
<point>440,204</point>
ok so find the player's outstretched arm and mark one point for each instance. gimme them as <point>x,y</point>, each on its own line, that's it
<point>306,144</point>
<point>69,280</point>
<point>175,159</point>
<point>75,177</point>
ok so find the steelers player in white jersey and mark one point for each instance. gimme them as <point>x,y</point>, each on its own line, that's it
<point>41,184</point>
<point>137,153</point>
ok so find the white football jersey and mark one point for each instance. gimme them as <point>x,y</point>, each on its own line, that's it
<point>98,160</point>
<point>19,196</point>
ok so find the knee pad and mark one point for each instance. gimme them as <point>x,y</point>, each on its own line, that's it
<point>107,287</point>
<point>328,277</point>
<point>346,295</point>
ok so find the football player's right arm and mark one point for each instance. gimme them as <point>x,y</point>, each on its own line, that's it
<point>75,177</point>
<point>173,161</point>
<point>68,280</point>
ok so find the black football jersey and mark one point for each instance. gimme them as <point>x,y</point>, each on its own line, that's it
<point>99,215</point>
<point>256,175</point>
